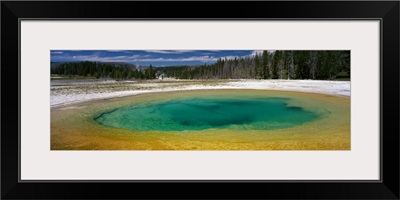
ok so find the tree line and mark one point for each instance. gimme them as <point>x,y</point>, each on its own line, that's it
<point>118,71</point>
<point>321,65</point>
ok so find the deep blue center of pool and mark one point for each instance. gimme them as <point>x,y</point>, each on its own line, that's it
<point>208,113</point>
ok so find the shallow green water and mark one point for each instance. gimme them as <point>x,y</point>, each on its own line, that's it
<point>207,113</point>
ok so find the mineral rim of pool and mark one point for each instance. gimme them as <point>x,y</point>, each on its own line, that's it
<point>201,113</point>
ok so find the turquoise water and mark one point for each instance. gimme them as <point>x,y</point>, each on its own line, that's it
<point>208,113</point>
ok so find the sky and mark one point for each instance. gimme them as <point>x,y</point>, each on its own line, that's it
<point>147,57</point>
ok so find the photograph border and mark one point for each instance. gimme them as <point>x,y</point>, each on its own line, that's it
<point>14,12</point>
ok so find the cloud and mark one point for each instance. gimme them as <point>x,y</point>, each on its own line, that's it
<point>232,57</point>
<point>97,58</point>
<point>255,52</point>
<point>119,51</point>
<point>145,58</point>
<point>260,52</point>
<point>57,52</point>
<point>169,51</point>
<point>185,59</point>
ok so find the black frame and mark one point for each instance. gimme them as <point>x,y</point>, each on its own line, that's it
<point>387,12</point>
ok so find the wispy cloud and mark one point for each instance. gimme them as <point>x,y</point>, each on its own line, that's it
<point>256,52</point>
<point>169,51</point>
<point>194,58</point>
<point>98,58</point>
<point>119,51</point>
<point>57,52</point>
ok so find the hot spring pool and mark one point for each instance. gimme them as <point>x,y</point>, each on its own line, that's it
<point>205,120</point>
<point>201,113</point>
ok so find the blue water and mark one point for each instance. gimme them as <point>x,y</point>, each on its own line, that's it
<point>208,113</point>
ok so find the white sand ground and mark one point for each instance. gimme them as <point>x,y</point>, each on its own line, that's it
<point>73,91</point>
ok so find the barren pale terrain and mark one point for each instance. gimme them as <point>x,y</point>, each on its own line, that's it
<point>74,91</point>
